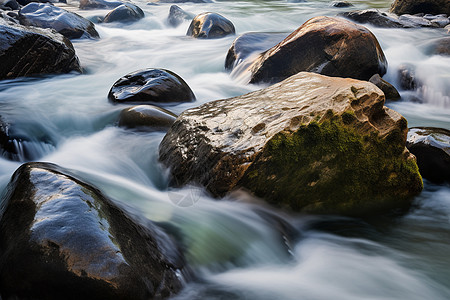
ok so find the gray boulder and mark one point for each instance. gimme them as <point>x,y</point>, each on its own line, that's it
<point>210,25</point>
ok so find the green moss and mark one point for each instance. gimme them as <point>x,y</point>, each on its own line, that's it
<point>328,167</point>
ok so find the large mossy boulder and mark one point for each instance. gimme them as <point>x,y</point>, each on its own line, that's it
<point>433,7</point>
<point>324,45</point>
<point>67,23</point>
<point>210,25</point>
<point>28,51</point>
<point>431,146</point>
<point>60,238</point>
<point>311,143</point>
<point>151,86</point>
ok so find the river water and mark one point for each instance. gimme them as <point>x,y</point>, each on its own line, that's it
<point>238,247</point>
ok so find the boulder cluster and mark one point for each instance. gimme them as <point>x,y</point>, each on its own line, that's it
<point>316,138</point>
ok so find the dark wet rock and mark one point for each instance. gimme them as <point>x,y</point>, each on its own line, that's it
<point>9,4</point>
<point>147,117</point>
<point>250,43</point>
<point>375,18</point>
<point>414,21</point>
<point>407,77</point>
<point>151,86</point>
<point>69,24</point>
<point>440,46</point>
<point>177,16</point>
<point>388,89</point>
<point>341,4</point>
<point>412,7</point>
<point>210,25</point>
<point>431,146</point>
<point>324,45</point>
<point>311,143</point>
<point>60,238</point>
<point>24,141</point>
<point>124,13</point>
<point>28,51</point>
<point>93,4</point>
<point>438,20</point>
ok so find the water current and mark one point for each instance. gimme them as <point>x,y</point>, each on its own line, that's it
<point>238,247</point>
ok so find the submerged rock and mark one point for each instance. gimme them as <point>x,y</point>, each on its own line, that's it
<point>249,43</point>
<point>151,85</point>
<point>374,17</point>
<point>341,4</point>
<point>93,4</point>
<point>434,7</point>
<point>440,46</point>
<point>324,45</point>
<point>60,238</point>
<point>124,13</point>
<point>28,51</point>
<point>431,146</point>
<point>210,25</point>
<point>310,143</point>
<point>147,117</point>
<point>69,24</point>
<point>388,89</point>
<point>177,16</point>
<point>407,77</point>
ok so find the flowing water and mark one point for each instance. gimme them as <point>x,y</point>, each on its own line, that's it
<point>238,247</point>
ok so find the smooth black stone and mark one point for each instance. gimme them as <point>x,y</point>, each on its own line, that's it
<point>124,13</point>
<point>147,118</point>
<point>69,24</point>
<point>177,16</point>
<point>12,4</point>
<point>61,238</point>
<point>431,146</point>
<point>151,86</point>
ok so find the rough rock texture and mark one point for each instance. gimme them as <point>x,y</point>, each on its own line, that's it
<point>310,143</point>
<point>69,24</point>
<point>210,25</point>
<point>388,89</point>
<point>250,43</point>
<point>150,85</point>
<point>434,7</point>
<point>431,146</point>
<point>325,45</point>
<point>147,117</point>
<point>124,13</point>
<point>60,238</point>
<point>93,4</point>
<point>27,51</point>
<point>177,16</point>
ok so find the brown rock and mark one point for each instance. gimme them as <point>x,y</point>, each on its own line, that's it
<point>324,45</point>
<point>388,89</point>
<point>434,7</point>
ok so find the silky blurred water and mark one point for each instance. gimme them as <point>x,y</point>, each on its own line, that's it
<point>238,247</point>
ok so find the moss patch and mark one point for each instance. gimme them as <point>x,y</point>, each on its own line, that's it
<point>329,167</point>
